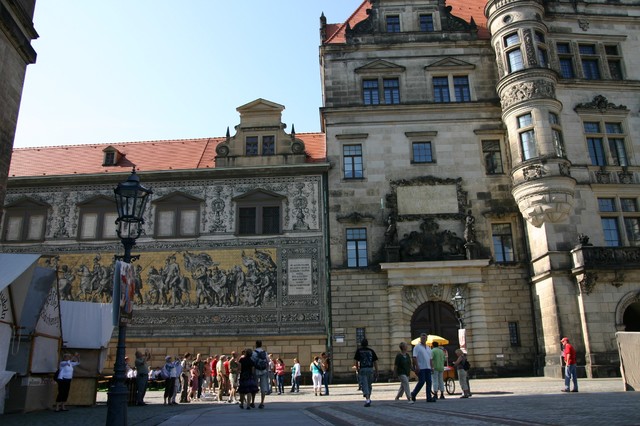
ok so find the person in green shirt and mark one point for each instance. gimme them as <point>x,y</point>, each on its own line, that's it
<point>437,357</point>
<point>401,369</point>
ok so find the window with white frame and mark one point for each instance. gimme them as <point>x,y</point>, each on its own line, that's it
<point>97,219</point>
<point>356,240</point>
<point>606,142</point>
<point>620,220</point>
<point>527,137</point>
<point>513,52</point>
<point>24,221</point>
<point>177,216</point>
<point>352,161</point>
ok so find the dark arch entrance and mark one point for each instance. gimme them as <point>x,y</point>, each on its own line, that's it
<point>631,317</point>
<point>436,318</point>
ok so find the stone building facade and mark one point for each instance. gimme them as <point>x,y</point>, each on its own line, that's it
<point>490,149</point>
<point>233,248</point>
<point>16,33</point>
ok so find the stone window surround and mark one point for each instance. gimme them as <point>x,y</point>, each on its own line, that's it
<point>426,137</point>
<point>600,43</point>
<point>25,208</point>
<point>177,202</point>
<point>102,207</point>
<point>620,215</point>
<point>259,199</point>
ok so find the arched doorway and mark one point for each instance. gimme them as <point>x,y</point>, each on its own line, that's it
<point>631,317</point>
<point>436,318</point>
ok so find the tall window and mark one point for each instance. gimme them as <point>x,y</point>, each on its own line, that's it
<point>556,133</point>
<point>441,89</point>
<point>606,147</point>
<point>268,145</point>
<point>514,54</point>
<point>492,157</point>
<point>461,88</point>
<point>391,91</point>
<point>527,137</point>
<point>514,334</point>
<point>251,145</point>
<point>24,221</point>
<point>422,152</point>
<point>543,59</point>
<point>502,242</point>
<point>614,61</point>
<point>352,160</point>
<point>565,58</point>
<point>370,92</point>
<point>590,63</point>
<point>426,23</point>
<point>177,216</point>
<point>98,219</point>
<point>259,213</point>
<point>393,23</point>
<point>615,211</point>
<point>357,247</point>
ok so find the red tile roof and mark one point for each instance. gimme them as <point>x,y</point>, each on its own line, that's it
<point>465,9</point>
<point>182,154</point>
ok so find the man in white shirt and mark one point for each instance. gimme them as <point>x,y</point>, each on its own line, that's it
<point>423,364</point>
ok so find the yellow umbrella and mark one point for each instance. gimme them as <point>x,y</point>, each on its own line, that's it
<point>430,339</point>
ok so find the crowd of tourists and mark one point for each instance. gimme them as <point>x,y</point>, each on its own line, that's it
<point>235,378</point>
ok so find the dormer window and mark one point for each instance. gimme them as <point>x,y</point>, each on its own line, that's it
<point>111,156</point>
<point>255,145</point>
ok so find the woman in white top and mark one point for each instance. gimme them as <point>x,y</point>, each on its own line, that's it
<point>64,377</point>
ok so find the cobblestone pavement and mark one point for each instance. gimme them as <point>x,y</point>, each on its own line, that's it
<point>512,401</point>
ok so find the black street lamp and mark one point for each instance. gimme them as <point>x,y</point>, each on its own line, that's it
<point>131,200</point>
<point>459,303</point>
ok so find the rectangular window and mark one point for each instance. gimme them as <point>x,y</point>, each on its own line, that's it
<point>515,60</point>
<point>422,152</point>
<point>461,88</point>
<point>247,223</point>
<point>590,66</point>
<point>188,222</point>
<point>492,157</point>
<point>391,91</point>
<point>566,68</point>
<point>632,228</point>
<point>502,242</point>
<point>441,89</point>
<point>352,158</point>
<point>628,204</point>
<point>514,334</point>
<point>596,151</point>
<point>607,204</point>
<point>360,335</point>
<point>268,145</point>
<point>612,140</point>
<point>393,24</point>
<point>613,62</point>
<point>511,40</point>
<point>251,145</point>
<point>13,228</point>
<point>611,231</point>
<point>271,220</point>
<point>370,92</point>
<point>527,137</point>
<point>556,134</point>
<point>357,248</point>
<point>426,23</point>
<point>166,223</point>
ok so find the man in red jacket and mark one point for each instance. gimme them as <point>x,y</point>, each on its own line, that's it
<point>569,355</point>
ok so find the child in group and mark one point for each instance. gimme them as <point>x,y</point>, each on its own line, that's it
<point>193,383</point>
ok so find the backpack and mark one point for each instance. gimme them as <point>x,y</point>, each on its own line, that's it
<point>465,365</point>
<point>262,362</point>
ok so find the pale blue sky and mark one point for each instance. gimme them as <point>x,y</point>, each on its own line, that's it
<point>135,70</point>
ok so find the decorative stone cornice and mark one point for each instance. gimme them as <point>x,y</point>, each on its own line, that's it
<point>527,90</point>
<point>355,217</point>
<point>600,104</point>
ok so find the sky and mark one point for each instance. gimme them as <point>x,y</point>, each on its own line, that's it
<point>111,71</point>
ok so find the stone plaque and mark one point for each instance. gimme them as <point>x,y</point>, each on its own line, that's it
<point>299,277</point>
<point>427,199</point>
